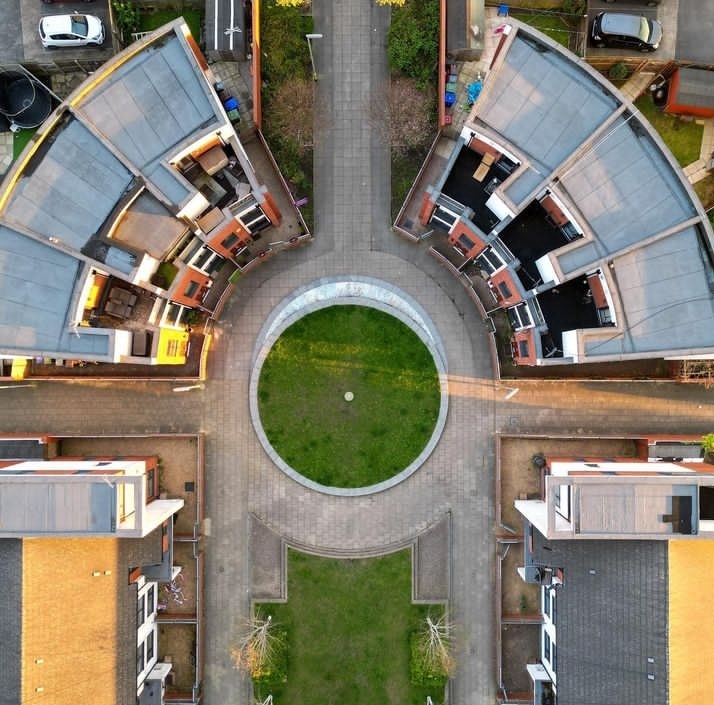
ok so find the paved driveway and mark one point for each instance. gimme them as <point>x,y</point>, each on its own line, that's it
<point>10,37</point>
<point>32,48</point>
<point>666,13</point>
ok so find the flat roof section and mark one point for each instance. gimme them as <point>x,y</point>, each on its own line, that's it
<point>74,191</point>
<point>627,191</point>
<point>665,292</point>
<point>56,507</point>
<point>542,102</point>
<point>36,285</point>
<point>148,226</point>
<point>151,104</point>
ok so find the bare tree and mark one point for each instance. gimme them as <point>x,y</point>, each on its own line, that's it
<point>402,113</point>
<point>435,645</point>
<point>257,649</point>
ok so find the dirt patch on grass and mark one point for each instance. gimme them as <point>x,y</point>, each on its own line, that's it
<point>521,640</point>
<point>517,598</point>
<point>177,642</point>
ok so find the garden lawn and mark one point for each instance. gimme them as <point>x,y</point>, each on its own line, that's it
<point>684,139</point>
<point>20,140</point>
<point>343,349</point>
<point>552,25</point>
<point>348,624</point>
<point>149,21</point>
<point>705,190</point>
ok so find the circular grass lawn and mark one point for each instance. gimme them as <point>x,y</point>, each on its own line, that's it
<point>308,377</point>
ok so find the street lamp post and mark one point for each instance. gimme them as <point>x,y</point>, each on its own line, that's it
<point>309,38</point>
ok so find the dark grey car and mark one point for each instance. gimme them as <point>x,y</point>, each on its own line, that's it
<point>612,29</point>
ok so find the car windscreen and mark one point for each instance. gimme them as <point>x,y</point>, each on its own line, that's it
<point>644,33</point>
<point>79,25</point>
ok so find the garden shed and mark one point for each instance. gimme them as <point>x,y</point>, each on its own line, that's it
<point>691,92</point>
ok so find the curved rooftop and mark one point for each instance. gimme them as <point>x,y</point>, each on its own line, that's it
<point>133,204</point>
<point>566,200</point>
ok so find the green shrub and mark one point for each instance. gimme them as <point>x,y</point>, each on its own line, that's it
<point>420,671</point>
<point>126,16</point>
<point>574,7</point>
<point>413,42</point>
<point>618,72</point>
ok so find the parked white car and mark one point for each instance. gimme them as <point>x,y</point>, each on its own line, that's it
<point>73,30</point>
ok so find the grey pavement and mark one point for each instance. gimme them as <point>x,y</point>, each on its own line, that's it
<point>246,495</point>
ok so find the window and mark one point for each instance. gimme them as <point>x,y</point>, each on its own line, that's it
<point>552,606</point>
<point>505,291</point>
<point>546,602</point>
<point>553,663</point>
<point>231,240</point>
<point>150,480</point>
<point>149,647</point>
<point>546,647</point>
<point>140,612</point>
<point>520,316</point>
<point>191,289</point>
<point>172,348</point>
<point>140,658</point>
<point>151,600</point>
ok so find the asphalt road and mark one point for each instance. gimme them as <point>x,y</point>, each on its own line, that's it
<point>695,31</point>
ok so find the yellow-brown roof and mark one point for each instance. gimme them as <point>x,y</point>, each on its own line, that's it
<point>691,627</point>
<point>71,621</point>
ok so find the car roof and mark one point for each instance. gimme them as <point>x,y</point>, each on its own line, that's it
<point>617,23</point>
<point>59,23</point>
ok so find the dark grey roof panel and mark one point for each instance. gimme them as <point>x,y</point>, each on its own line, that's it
<point>543,103</point>
<point>696,88</point>
<point>10,620</point>
<point>36,285</point>
<point>74,192</point>
<point>611,616</point>
<point>151,104</point>
<point>666,295</point>
<point>22,449</point>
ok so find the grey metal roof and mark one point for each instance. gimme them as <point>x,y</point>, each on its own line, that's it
<point>665,291</point>
<point>152,103</point>
<point>627,191</point>
<point>543,102</point>
<point>75,189</point>
<point>611,616</point>
<point>10,620</point>
<point>51,507</point>
<point>36,284</point>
